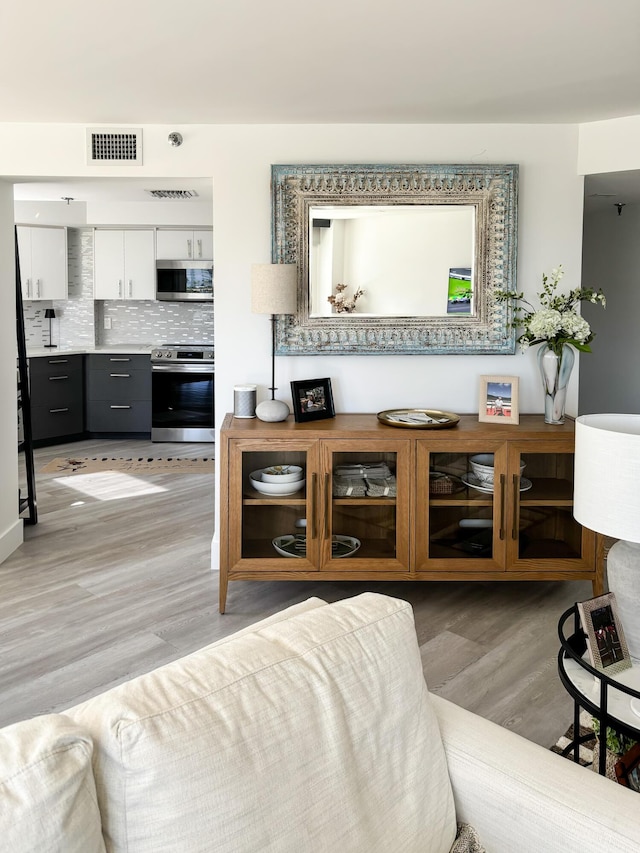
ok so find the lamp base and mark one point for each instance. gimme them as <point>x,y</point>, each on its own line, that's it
<point>271,411</point>
<point>623,574</point>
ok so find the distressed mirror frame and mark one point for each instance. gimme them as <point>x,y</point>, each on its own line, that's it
<point>493,192</point>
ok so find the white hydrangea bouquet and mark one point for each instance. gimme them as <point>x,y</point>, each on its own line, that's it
<point>556,322</point>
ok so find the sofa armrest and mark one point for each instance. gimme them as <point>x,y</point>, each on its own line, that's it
<point>522,797</point>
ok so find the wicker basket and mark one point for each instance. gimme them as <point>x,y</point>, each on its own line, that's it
<point>442,484</point>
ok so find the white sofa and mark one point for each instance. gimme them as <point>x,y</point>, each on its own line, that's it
<point>311,731</point>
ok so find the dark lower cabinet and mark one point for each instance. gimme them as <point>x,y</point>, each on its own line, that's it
<point>57,397</point>
<point>118,391</point>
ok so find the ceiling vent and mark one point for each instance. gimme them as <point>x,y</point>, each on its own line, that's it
<point>180,194</point>
<point>114,146</point>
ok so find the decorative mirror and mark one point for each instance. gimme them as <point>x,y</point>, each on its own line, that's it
<point>399,259</point>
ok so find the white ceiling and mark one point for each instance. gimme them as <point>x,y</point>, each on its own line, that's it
<point>291,61</point>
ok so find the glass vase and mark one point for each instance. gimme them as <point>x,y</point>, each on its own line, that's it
<point>555,371</point>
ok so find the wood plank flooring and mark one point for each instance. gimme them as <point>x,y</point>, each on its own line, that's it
<point>115,579</point>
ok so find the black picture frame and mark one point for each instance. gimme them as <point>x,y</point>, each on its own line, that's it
<point>312,400</point>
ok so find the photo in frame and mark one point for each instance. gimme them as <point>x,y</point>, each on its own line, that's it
<point>312,400</point>
<point>606,644</point>
<point>499,400</point>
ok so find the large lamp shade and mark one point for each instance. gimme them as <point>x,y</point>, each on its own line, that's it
<point>607,500</point>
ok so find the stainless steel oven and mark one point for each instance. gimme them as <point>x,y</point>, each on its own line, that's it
<point>182,382</point>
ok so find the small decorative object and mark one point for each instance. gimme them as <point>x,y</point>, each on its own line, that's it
<point>273,291</point>
<point>557,326</point>
<point>606,644</point>
<point>441,483</point>
<point>499,400</point>
<point>418,418</point>
<point>343,304</point>
<point>627,769</point>
<point>244,401</point>
<point>312,400</point>
<point>50,314</point>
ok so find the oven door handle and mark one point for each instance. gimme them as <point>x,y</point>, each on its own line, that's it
<point>182,368</point>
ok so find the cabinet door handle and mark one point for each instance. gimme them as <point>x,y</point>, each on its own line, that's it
<point>38,287</point>
<point>120,375</point>
<point>58,361</point>
<point>327,504</point>
<point>503,479</point>
<point>55,411</point>
<point>28,288</point>
<point>119,407</point>
<point>120,288</point>
<point>189,249</point>
<point>314,501</point>
<point>130,288</point>
<point>119,359</point>
<point>56,378</point>
<point>516,505</point>
<point>199,248</point>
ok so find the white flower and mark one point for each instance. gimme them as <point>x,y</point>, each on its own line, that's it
<point>545,323</point>
<point>575,326</point>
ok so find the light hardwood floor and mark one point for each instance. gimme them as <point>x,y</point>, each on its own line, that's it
<point>115,579</point>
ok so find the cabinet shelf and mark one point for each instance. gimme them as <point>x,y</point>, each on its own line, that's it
<point>414,535</point>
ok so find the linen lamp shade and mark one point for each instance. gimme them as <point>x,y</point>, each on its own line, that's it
<point>273,288</point>
<point>607,500</point>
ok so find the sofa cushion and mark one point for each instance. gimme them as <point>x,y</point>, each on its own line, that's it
<point>47,793</point>
<point>312,734</point>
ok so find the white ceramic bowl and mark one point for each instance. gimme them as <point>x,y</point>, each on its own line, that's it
<point>282,474</point>
<point>482,467</point>
<point>279,488</point>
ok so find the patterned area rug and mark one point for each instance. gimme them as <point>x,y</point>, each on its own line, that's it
<point>586,749</point>
<point>141,465</point>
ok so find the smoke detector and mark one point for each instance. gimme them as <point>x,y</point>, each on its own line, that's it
<point>177,194</point>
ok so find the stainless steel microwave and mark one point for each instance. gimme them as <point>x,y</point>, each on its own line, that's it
<point>184,281</point>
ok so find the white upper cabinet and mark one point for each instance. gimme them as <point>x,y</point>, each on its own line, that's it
<point>183,245</point>
<point>43,262</point>
<point>124,264</point>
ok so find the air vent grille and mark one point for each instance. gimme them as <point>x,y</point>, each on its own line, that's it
<point>180,194</point>
<point>114,146</point>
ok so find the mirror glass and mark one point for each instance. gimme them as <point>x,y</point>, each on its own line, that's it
<point>396,259</point>
<point>402,261</point>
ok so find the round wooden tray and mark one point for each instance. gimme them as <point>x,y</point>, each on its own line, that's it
<point>417,418</point>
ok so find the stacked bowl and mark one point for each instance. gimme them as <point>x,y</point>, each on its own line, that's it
<point>278,480</point>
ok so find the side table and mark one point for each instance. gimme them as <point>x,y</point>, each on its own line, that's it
<point>607,698</point>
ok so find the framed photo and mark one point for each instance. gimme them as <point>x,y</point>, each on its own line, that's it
<point>312,400</point>
<point>628,768</point>
<point>606,644</point>
<point>499,399</point>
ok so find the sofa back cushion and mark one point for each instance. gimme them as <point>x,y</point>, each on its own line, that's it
<point>47,794</point>
<point>313,734</point>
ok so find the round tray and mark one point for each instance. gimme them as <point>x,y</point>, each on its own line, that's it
<point>416,418</point>
<point>295,545</point>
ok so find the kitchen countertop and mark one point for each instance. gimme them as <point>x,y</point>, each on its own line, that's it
<point>131,349</point>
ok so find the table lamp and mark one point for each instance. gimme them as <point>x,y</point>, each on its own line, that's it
<point>49,314</point>
<point>607,500</point>
<point>273,291</point>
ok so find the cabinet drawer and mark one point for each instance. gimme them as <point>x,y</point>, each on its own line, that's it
<point>119,384</point>
<point>41,368</point>
<point>117,363</point>
<point>54,421</point>
<point>57,388</point>
<point>105,416</point>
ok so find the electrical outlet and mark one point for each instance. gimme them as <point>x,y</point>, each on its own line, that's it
<point>107,322</point>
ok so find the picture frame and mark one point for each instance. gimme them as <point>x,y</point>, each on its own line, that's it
<point>606,644</point>
<point>627,768</point>
<point>312,400</point>
<point>499,402</point>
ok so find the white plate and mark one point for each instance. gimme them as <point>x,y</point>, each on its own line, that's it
<point>470,479</point>
<point>296,546</point>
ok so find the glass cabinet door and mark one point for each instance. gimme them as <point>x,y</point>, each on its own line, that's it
<point>541,526</point>
<point>461,519</point>
<point>272,530</point>
<point>365,514</point>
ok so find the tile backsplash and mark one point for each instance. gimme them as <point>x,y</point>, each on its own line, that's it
<point>79,320</point>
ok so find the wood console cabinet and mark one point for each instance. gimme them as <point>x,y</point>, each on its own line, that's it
<point>523,529</point>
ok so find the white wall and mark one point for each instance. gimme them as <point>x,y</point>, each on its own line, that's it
<point>609,146</point>
<point>239,160</point>
<point>10,525</point>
